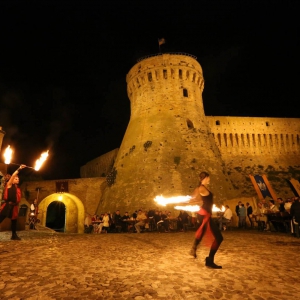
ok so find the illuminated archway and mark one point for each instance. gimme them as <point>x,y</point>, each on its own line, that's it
<point>74,222</point>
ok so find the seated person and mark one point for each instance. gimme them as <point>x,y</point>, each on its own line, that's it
<point>99,222</point>
<point>183,220</point>
<point>288,204</point>
<point>124,223</point>
<point>281,205</point>
<point>273,208</point>
<point>225,218</point>
<point>260,218</point>
<point>141,221</point>
<point>88,226</point>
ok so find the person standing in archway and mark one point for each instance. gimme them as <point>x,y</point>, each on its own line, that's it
<point>207,227</point>
<point>12,197</point>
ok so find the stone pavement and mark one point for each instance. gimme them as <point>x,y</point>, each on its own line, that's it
<point>47,265</point>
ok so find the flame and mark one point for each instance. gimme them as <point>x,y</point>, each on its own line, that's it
<point>8,155</point>
<point>41,160</point>
<point>217,209</point>
<point>191,208</point>
<point>164,201</point>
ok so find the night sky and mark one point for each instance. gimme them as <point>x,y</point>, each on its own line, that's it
<point>63,66</point>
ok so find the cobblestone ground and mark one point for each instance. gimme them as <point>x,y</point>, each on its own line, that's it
<point>46,265</point>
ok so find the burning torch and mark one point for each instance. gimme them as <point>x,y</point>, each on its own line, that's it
<point>39,162</point>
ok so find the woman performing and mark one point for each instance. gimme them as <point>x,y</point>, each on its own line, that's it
<point>12,197</point>
<point>203,197</point>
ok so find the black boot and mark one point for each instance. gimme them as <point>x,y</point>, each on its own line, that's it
<point>194,248</point>
<point>210,263</point>
<point>15,237</point>
<point>14,230</point>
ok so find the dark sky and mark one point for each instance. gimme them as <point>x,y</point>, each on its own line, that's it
<point>63,66</point>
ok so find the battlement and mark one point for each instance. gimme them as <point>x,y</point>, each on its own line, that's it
<point>253,135</point>
<point>180,69</point>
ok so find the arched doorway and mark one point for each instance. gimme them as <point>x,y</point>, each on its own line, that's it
<point>74,211</point>
<point>56,216</point>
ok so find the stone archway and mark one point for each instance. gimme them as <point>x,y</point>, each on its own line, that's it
<point>74,217</point>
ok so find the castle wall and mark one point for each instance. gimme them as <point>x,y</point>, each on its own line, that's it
<point>251,145</point>
<point>100,166</point>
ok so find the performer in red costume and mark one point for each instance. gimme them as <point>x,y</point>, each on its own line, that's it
<point>12,197</point>
<point>207,227</point>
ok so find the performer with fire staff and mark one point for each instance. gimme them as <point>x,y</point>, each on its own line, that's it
<point>208,229</point>
<point>12,197</point>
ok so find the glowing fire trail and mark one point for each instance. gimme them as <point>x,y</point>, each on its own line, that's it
<point>171,200</point>
<point>193,208</point>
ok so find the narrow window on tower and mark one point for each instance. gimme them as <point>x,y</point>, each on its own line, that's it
<point>185,93</point>
<point>150,77</point>
<point>180,74</point>
<point>190,124</point>
<point>165,74</point>
<point>194,77</point>
<point>217,122</point>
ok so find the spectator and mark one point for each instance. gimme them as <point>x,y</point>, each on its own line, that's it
<point>106,222</point>
<point>124,223</point>
<point>193,219</point>
<point>295,213</point>
<point>281,205</point>
<point>117,220</point>
<point>249,213</point>
<point>288,204</point>
<point>242,216</point>
<point>183,220</point>
<point>273,208</point>
<point>260,218</point>
<point>88,227</point>
<point>237,210</point>
<point>141,218</point>
<point>225,218</point>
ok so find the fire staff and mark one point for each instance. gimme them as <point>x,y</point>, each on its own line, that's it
<point>207,227</point>
<point>12,197</point>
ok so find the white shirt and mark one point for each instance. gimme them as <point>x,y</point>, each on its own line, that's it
<point>228,214</point>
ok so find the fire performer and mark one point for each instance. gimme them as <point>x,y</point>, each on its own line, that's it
<point>207,227</point>
<point>12,197</point>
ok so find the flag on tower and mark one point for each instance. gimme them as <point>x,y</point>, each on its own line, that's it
<point>161,41</point>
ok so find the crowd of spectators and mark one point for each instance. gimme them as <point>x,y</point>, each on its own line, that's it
<point>139,221</point>
<point>279,215</point>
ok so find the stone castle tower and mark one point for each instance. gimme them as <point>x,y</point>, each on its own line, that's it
<point>168,141</point>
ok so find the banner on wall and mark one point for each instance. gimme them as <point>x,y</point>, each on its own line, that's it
<point>262,187</point>
<point>62,187</point>
<point>296,185</point>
